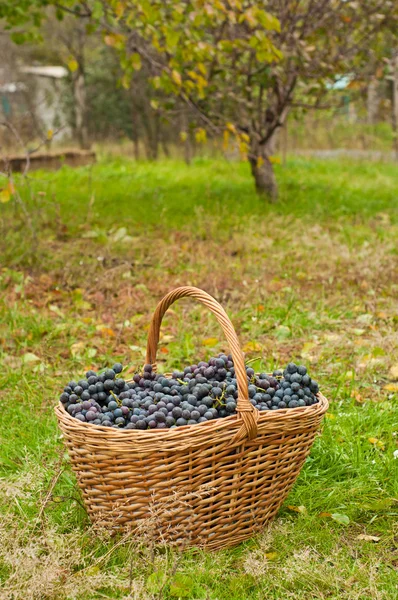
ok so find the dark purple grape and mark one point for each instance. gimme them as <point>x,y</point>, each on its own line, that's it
<point>109,384</point>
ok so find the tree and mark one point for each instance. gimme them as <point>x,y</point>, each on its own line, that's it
<point>240,65</point>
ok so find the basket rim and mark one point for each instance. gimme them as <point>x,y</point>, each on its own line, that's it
<point>279,417</point>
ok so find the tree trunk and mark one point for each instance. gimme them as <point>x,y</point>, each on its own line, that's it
<point>79,92</point>
<point>184,128</point>
<point>372,100</point>
<point>395,104</point>
<point>134,126</point>
<point>263,170</point>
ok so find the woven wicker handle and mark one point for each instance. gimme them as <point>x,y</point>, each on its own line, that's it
<point>245,409</point>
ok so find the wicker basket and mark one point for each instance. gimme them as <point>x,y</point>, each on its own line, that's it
<point>213,484</point>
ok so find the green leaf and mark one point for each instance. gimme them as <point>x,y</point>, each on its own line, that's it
<point>268,21</point>
<point>181,586</point>
<point>155,582</point>
<point>342,519</point>
<point>135,60</point>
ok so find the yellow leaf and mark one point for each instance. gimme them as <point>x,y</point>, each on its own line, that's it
<point>200,135</point>
<point>5,196</point>
<point>260,161</point>
<point>368,538</point>
<point>376,442</point>
<point>325,514</point>
<point>73,65</point>
<point>107,331</point>
<point>125,81</point>
<point>298,509</point>
<point>271,555</point>
<point>391,387</point>
<point>135,60</point>
<point>202,69</point>
<point>211,341</point>
<point>252,347</point>
<point>274,160</point>
<point>231,127</point>
<point>330,416</point>
<point>308,346</point>
<point>50,134</point>
<point>183,136</point>
<point>176,77</point>
<point>119,9</point>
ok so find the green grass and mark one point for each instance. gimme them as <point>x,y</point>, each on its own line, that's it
<point>313,279</point>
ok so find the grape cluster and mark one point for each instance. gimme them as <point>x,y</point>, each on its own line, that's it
<point>200,393</point>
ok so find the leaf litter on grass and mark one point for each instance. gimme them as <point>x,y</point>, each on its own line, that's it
<point>327,292</point>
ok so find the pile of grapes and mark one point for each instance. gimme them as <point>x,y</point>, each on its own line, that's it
<point>202,392</point>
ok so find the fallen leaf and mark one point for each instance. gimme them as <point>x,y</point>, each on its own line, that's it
<point>55,309</point>
<point>166,338</point>
<point>391,387</point>
<point>29,357</point>
<point>211,341</point>
<point>77,348</point>
<point>299,509</point>
<point>339,518</point>
<point>252,347</point>
<point>164,350</point>
<point>355,394</point>
<point>271,555</point>
<point>307,347</point>
<point>105,331</point>
<point>376,442</point>
<point>325,514</point>
<point>368,538</point>
<point>330,416</point>
<point>5,196</point>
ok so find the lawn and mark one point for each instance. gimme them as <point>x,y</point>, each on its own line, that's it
<point>313,279</point>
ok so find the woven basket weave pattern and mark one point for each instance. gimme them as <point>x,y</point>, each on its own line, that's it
<point>213,484</point>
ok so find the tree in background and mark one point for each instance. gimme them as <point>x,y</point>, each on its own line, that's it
<point>242,66</point>
<point>238,67</point>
